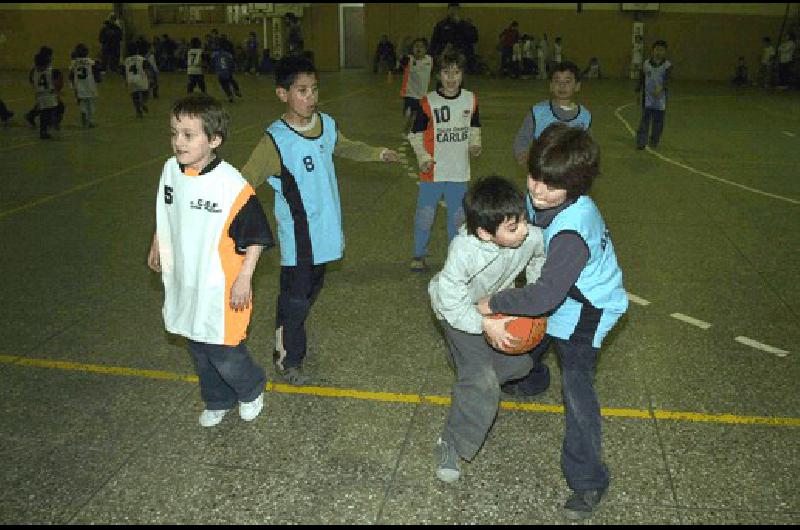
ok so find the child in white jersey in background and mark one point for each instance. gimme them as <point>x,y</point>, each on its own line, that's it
<point>416,78</point>
<point>445,133</point>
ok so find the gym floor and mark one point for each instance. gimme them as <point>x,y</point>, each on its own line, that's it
<point>698,382</point>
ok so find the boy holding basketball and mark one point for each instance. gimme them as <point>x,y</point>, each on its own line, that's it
<point>488,253</point>
<point>581,290</point>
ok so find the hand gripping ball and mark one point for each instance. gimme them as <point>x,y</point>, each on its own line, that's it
<point>529,329</point>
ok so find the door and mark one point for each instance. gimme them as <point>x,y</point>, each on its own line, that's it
<point>354,36</point>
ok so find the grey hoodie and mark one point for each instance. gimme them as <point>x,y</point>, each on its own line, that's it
<point>475,269</point>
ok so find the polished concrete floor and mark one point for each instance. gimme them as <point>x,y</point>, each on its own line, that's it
<point>698,382</point>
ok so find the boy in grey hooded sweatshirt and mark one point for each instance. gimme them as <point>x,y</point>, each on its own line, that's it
<point>485,257</point>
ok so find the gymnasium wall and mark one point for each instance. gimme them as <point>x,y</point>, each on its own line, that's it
<point>62,26</point>
<point>704,39</point>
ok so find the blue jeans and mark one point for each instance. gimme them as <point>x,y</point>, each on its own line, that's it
<point>227,374</point>
<point>427,200</point>
<point>657,117</point>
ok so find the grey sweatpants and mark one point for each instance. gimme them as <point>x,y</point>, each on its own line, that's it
<point>480,371</point>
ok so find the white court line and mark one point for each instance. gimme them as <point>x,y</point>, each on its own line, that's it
<point>637,300</point>
<point>761,346</point>
<point>689,320</point>
<point>697,171</point>
<point>787,133</point>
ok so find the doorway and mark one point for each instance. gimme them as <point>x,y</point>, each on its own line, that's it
<point>352,36</point>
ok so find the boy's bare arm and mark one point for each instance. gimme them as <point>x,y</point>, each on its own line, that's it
<point>264,161</point>
<point>153,257</point>
<point>361,152</point>
<point>242,290</point>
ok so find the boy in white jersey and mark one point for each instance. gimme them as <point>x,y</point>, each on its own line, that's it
<point>47,83</point>
<point>295,157</point>
<point>445,133</point>
<point>83,74</point>
<point>416,77</point>
<point>136,76</point>
<point>210,232</point>
<point>195,59</point>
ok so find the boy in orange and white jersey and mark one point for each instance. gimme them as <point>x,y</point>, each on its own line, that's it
<point>445,133</point>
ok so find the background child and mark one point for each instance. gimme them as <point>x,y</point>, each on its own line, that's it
<point>136,77</point>
<point>561,107</point>
<point>416,78</point>
<point>83,74</point>
<point>210,232</point>
<point>225,67</point>
<point>592,69</point>
<point>656,71</point>
<point>296,157</point>
<point>528,57</point>
<point>152,68</point>
<point>485,257</point>
<point>47,83</point>
<point>449,119</point>
<point>580,288</point>
<point>740,72</point>
<point>765,66</point>
<point>195,59</point>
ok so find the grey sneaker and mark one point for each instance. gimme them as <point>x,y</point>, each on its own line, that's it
<point>293,376</point>
<point>418,265</point>
<point>447,469</point>
<point>582,504</point>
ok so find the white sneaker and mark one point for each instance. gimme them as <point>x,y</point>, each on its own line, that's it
<point>209,418</point>
<point>250,410</point>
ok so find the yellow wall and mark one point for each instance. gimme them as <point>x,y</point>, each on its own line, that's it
<point>65,25</point>
<point>704,39</point>
<point>701,45</point>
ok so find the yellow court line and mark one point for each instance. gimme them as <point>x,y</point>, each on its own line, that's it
<point>393,397</point>
<point>697,171</point>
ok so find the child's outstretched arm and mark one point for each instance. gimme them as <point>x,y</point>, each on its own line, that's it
<point>361,152</point>
<point>242,288</point>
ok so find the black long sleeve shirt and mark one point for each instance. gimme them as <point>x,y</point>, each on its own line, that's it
<point>567,255</point>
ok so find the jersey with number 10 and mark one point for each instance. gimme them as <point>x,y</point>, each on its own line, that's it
<point>135,74</point>
<point>307,205</point>
<point>446,134</point>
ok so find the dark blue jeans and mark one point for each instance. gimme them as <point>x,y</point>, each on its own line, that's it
<point>657,117</point>
<point>227,374</point>
<point>299,287</point>
<point>581,456</point>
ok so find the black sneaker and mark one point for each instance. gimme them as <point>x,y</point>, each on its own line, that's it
<point>582,504</point>
<point>30,119</point>
<point>7,117</point>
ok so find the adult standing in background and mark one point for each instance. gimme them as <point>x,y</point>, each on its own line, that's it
<point>110,41</point>
<point>252,53</point>
<point>450,30</point>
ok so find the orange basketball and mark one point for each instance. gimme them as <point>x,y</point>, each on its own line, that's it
<point>530,330</point>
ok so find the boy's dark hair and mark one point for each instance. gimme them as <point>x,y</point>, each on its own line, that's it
<point>214,117</point>
<point>450,57</point>
<point>567,66</point>
<point>766,39</point>
<point>288,68</point>
<point>491,201</point>
<point>661,43</point>
<point>196,43</point>
<point>81,50</point>
<point>565,158</point>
